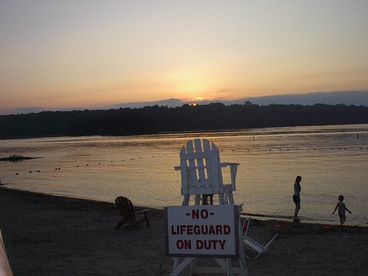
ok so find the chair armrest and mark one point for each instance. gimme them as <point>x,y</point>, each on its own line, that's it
<point>226,164</point>
<point>142,211</point>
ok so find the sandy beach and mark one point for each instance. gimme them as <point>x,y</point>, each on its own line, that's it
<point>48,235</point>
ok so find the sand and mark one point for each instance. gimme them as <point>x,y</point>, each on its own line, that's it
<point>49,235</point>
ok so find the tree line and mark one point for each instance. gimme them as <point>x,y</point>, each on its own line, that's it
<point>158,119</point>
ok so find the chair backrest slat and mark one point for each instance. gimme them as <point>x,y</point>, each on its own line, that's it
<point>199,160</point>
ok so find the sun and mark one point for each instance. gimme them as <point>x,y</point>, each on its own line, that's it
<point>190,86</point>
<point>199,99</point>
<point>194,93</point>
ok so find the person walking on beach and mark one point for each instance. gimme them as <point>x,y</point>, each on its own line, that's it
<point>341,207</point>
<point>296,197</point>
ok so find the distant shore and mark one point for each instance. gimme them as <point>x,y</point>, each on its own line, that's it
<point>49,235</point>
<point>162,119</point>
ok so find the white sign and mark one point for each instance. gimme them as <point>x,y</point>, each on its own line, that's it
<point>206,230</point>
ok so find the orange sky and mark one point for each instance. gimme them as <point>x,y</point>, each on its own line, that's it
<point>89,54</point>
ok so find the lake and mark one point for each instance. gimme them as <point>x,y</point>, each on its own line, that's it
<point>332,160</point>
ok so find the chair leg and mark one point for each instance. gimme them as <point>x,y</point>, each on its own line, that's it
<point>121,223</point>
<point>146,219</point>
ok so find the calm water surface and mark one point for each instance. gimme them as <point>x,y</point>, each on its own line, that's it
<point>332,160</point>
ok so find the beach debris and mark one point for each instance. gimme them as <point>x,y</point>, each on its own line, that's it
<point>16,158</point>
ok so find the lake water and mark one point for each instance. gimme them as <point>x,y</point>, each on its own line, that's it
<point>332,160</point>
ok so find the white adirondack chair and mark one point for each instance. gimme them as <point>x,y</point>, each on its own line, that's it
<point>201,172</point>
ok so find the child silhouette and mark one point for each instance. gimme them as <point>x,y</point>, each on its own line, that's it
<point>341,207</point>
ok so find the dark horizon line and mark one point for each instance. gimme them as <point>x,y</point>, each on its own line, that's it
<point>174,102</point>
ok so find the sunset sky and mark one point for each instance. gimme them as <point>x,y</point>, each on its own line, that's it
<point>58,54</point>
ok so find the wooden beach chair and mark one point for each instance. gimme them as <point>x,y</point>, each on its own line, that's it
<point>128,213</point>
<point>253,244</point>
<point>5,269</point>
